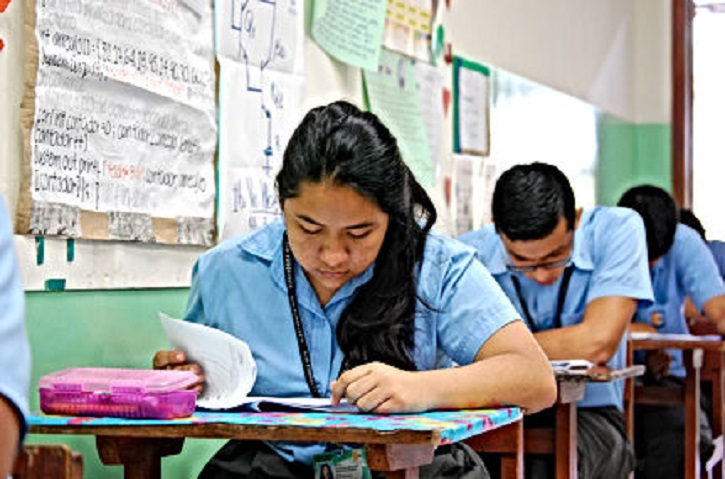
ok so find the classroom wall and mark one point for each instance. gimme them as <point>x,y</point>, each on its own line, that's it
<point>612,54</point>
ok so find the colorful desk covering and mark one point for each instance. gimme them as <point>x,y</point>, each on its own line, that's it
<point>453,425</point>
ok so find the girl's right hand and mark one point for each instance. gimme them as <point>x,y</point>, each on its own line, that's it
<point>177,360</point>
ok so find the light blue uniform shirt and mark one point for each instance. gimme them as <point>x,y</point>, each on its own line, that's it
<point>610,259</point>
<point>239,287</point>
<point>687,269</point>
<point>14,349</point>
<point>718,252</point>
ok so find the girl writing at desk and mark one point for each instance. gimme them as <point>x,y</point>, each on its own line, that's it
<point>353,283</point>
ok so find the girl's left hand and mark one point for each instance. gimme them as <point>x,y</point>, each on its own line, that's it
<point>383,389</point>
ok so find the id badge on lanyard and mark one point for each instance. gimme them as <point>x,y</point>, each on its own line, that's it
<point>342,464</point>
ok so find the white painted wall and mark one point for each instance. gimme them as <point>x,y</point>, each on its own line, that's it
<point>613,54</point>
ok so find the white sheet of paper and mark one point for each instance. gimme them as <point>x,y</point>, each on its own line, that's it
<point>463,192</point>
<point>672,337</point>
<point>301,403</point>
<point>429,83</point>
<point>227,361</point>
<point>571,365</point>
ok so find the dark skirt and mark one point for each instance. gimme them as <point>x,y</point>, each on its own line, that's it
<point>256,460</point>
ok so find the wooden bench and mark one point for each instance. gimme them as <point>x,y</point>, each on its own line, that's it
<point>48,461</point>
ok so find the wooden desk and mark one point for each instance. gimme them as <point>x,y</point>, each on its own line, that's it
<point>561,439</point>
<point>713,371</point>
<point>396,444</point>
<point>572,386</point>
<point>692,348</point>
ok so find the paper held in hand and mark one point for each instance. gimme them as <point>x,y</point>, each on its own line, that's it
<point>230,371</point>
<point>227,361</point>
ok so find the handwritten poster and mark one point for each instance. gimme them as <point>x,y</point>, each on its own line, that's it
<point>120,122</point>
<point>392,94</point>
<point>471,92</point>
<point>408,26</point>
<point>260,96</point>
<point>351,31</point>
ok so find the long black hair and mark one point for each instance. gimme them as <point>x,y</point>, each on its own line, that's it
<point>341,144</point>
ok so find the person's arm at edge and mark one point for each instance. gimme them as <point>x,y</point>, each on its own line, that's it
<point>14,350</point>
<point>10,437</point>
<point>597,337</point>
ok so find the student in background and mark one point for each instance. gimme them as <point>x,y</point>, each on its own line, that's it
<point>353,279</point>
<point>697,323</point>
<point>681,266</point>
<point>688,218</point>
<point>576,278</point>
<point>14,350</point>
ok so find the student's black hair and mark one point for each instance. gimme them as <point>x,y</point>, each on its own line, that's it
<point>659,214</point>
<point>341,144</point>
<point>529,200</point>
<point>688,218</point>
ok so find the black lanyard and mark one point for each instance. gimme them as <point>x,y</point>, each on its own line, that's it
<point>559,303</point>
<point>300,333</point>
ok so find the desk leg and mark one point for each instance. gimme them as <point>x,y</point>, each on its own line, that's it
<point>140,456</point>
<point>508,442</point>
<point>565,437</point>
<point>718,395</point>
<point>693,363</point>
<point>399,461</point>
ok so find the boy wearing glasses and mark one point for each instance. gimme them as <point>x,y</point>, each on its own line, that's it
<point>681,266</point>
<point>576,279</point>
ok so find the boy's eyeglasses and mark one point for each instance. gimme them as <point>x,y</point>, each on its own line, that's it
<point>531,268</point>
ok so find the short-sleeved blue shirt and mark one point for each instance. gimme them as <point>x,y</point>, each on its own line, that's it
<point>718,252</point>
<point>610,259</point>
<point>687,269</point>
<point>239,287</point>
<point>14,349</point>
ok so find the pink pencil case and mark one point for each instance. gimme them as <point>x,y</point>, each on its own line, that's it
<point>131,393</point>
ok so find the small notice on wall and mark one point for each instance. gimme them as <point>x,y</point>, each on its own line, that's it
<point>120,121</point>
<point>471,93</point>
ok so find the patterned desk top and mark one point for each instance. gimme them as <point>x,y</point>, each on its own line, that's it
<point>453,426</point>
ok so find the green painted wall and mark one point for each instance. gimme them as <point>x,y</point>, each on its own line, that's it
<point>105,328</point>
<point>631,154</point>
